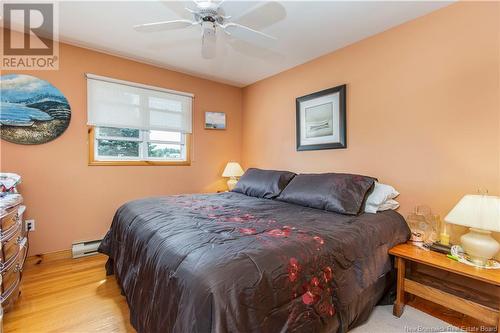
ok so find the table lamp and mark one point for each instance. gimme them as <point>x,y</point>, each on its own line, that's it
<point>481,213</point>
<point>232,170</point>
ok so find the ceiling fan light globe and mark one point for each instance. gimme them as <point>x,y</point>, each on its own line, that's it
<point>206,5</point>
<point>208,29</point>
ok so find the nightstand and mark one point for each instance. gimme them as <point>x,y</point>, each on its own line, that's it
<point>436,278</point>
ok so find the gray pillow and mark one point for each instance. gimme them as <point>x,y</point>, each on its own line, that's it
<point>263,183</point>
<point>335,192</point>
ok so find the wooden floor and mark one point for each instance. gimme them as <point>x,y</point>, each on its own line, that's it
<point>76,296</point>
<point>69,295</point>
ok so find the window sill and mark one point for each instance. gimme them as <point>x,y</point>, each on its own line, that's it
<point>139,163</point>
<point>93,162</point>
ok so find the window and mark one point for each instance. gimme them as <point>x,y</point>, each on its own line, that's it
<point>133,124</point>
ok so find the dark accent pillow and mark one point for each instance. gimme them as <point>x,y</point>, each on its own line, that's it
<point>335,192</point>
<point>263,183</point>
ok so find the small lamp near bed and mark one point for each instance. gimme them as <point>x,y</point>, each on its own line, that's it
<point>481,213</point>
<point>233,170</point>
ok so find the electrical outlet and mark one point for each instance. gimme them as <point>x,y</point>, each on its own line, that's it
<point>30,225</point>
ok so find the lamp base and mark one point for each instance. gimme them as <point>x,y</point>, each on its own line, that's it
<point>231,183</point>
<point>479,245</point>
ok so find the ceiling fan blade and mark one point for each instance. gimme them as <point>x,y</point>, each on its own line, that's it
<point>253,51</point>
<point>168,43</point>
<point>179,7</point>
<point>248,34</point>
<point>263,15</point>
<point>234,8</point>
<point>208,44</point>
<point>165,25</point>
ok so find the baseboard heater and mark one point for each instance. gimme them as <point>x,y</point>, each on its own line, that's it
<point>84,249</point>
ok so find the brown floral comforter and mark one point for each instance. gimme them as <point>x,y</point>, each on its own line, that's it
<point>233,263</point>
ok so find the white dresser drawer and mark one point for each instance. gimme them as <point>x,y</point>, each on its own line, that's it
<point>11,276</point>
<point>8,220</point>
<point>9,244</point>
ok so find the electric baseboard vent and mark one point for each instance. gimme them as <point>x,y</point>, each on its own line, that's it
<point>83,249</point>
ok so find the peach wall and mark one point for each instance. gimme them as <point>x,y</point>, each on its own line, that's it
<point>73,201</point>
<point>423,108</point>
<point>423,115</point>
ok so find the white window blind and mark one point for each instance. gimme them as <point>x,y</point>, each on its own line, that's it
<point>115,103</point>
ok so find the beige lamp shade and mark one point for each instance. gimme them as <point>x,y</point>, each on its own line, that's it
<point>476,211</point>
<point>233,169</point>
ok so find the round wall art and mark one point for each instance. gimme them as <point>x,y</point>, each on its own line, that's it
<point>32,110</point>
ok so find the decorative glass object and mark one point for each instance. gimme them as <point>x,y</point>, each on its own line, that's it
<point>424,225</point>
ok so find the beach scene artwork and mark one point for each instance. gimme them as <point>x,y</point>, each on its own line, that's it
<point>215,120</point>
<point>32,111</point>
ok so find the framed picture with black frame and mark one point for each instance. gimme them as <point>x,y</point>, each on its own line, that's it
<point>321,120</point>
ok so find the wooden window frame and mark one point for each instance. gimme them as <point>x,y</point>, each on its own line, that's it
<point>94,162</point>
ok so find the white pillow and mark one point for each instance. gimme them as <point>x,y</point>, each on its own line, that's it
<point>389,204</point>
<point>380,195</point>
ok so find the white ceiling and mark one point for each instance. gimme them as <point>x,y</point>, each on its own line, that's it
<point>305,30</point>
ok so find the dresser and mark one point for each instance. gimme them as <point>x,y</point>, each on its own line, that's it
<point>13,248</point>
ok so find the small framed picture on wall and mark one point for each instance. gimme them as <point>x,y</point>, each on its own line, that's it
<point>321,120</point>
<point>215,120</point>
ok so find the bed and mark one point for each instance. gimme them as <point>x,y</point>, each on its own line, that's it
<point>229,262</point>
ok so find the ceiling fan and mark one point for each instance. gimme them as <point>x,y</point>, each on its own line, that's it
<point>212,17</point>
